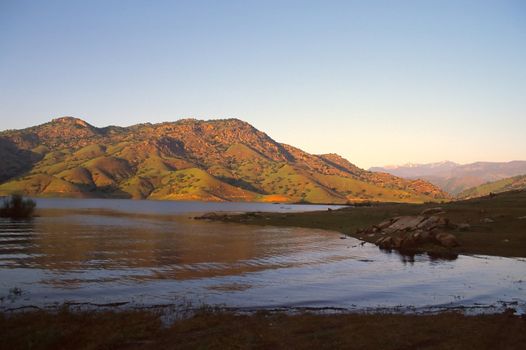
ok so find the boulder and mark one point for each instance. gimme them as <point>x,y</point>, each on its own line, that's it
<point>379,240</point>
<point>405,223</point>
<point>464,227</point>
<point>385,242</point>
<point>420,236</point>
<point>433,211</point>
<point>385,224</point>
<point>397,242</point>
<point>408,241</point>
<point>408,232</point>
<point>429,223</point>
<point>446,239</point>
<point>425,236</point>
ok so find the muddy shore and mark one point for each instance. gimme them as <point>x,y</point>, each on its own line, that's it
<point>263,330</point>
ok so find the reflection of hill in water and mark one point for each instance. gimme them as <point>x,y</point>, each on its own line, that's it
<point>100,258</point>
<point>161,249</point>
<point>16,237</point>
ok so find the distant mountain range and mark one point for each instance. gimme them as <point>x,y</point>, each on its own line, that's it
<point>455,178</point>
<point>216,160</point>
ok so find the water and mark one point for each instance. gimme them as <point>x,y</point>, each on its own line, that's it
<point>175,207</point>
<point>89,255</point>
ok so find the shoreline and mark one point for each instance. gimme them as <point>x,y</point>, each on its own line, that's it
<point>186,310</point>
<point>119,325</point>
<point>497,224</point>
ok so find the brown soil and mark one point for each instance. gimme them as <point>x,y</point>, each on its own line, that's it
<point>224,330</point>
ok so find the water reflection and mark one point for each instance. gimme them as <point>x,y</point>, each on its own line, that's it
<point>181,249</point>
<point>99,256</point>
<point>16,239</point>
<point>180,207</point>
<point>409,256</point>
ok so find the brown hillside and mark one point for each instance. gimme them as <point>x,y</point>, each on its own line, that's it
<point>186,160</point>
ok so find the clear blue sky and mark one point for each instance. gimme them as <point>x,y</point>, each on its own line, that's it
<point>379,82</point>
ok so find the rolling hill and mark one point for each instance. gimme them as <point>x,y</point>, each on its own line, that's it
<point>504,185</point>
<point>455,178</point>
<point>216,160</point>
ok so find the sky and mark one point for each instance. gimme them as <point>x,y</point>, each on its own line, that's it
<point>378,82</point>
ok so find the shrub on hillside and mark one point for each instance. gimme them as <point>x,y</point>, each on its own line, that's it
<point>17,207</point>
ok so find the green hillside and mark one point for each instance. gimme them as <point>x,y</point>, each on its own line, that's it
<point>508,184</point>
<point>218,160</point>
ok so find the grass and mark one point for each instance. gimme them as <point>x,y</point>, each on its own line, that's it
<point>505,236</point>
<point>259,176</point>
<point>131,169</point>
<point>197,184</point>
<point>42,184</point>
<point>90,152</point>
<point>358,190</point>
<point>211,329</point>
<point>508,184</point>
<point>78,176</point>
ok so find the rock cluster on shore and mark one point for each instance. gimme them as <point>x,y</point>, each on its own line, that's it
<point>212,216</point>
<point>407,232</point>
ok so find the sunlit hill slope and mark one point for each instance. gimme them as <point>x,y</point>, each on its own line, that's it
<point>504,185</point>
<point>216,160</point>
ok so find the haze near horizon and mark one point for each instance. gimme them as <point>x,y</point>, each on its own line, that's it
<point>378,82</point>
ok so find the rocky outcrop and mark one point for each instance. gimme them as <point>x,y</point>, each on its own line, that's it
<point>410,232</point>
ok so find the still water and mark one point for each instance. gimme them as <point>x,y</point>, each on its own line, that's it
<point>144,253</point>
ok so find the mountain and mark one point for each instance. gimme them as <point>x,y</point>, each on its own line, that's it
<point>455,178</point>
<point>412,170</point>
<point>508,184</point>
<point>216,160</point>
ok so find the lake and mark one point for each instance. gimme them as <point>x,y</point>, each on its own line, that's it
<point>145,253</point>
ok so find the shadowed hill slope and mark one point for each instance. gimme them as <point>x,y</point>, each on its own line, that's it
<point>221,160</point>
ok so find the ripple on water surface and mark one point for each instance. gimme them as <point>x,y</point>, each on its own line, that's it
<point>107,259</point>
